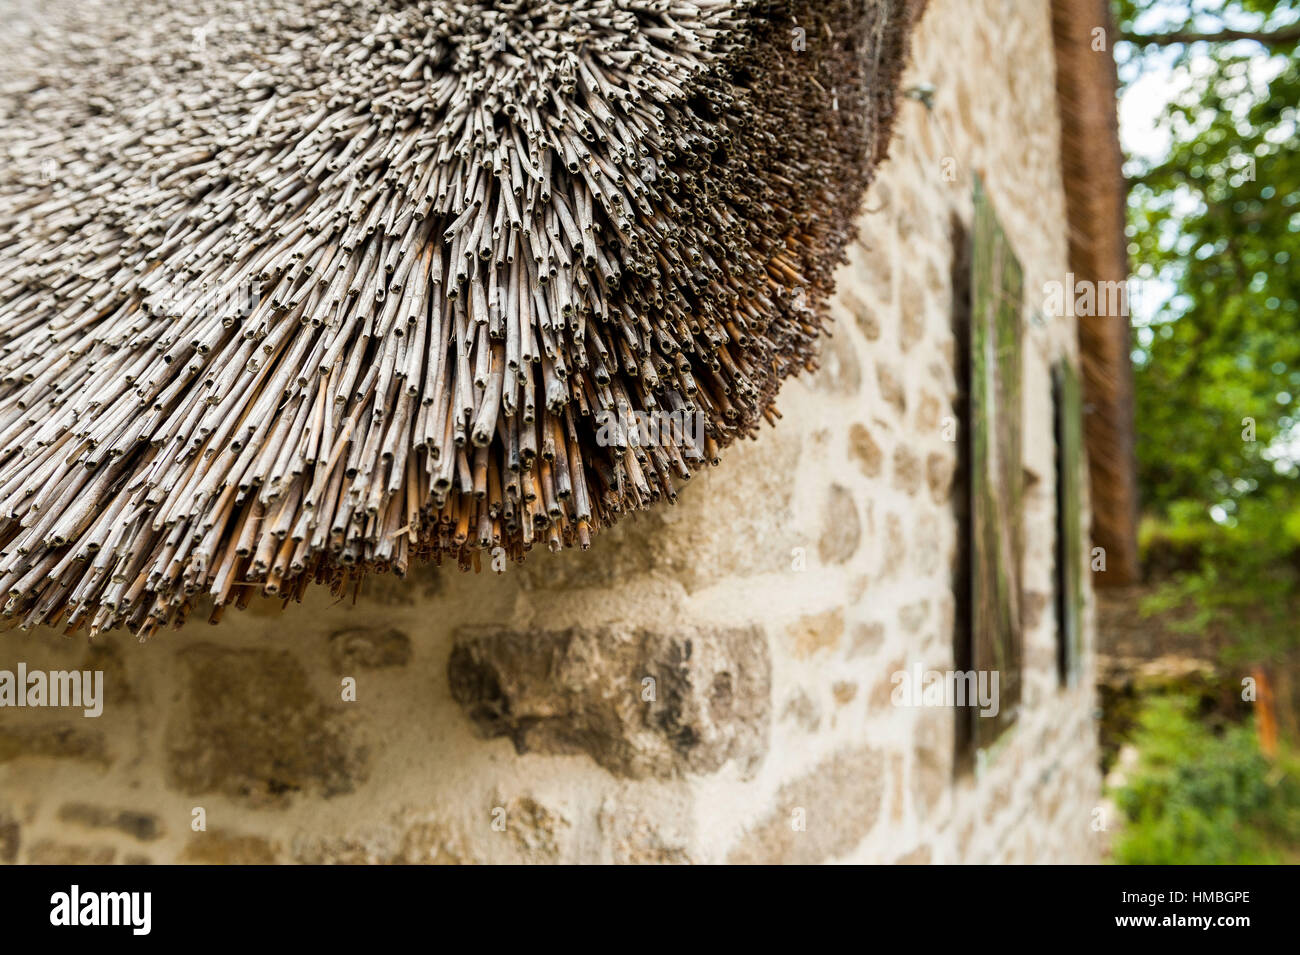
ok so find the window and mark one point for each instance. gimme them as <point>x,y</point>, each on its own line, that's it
<point>996,474</point>
<point>1066,399</point>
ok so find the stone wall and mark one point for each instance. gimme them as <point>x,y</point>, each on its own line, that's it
<point>706,674</point>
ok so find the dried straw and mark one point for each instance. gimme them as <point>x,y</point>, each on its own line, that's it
<point>296,291</point>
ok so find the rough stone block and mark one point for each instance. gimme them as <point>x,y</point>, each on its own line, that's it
<point>251,726</point>
<point>10,838</point>
<point>907,470</point>
<point>55,741</point>
<point>219,847</point>
<point>865,451</point>
<point>841,527</point>
<point>816,632</point>
<point>49,852</point>
<point>640,703</point>
<point>838,803</point>
<point>139,825</point>
<point>369,648</point>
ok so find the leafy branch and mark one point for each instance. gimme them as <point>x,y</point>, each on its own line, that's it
<point>1281,37</point>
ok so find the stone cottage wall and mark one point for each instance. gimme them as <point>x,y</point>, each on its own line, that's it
<point>706,675</point>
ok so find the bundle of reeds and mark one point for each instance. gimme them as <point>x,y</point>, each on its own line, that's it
<point>295,290</point>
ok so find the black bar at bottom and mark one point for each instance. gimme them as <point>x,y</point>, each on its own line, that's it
<point>332,905</point>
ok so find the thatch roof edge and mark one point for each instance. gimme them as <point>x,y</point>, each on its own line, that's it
<point>1091,159</point>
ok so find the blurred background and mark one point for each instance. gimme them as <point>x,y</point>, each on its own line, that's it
<point>1199,673</point>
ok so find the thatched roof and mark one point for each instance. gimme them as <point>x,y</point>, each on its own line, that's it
<point>1094,182</point>
<point>293,290</point>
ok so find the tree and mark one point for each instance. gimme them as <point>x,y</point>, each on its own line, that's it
<point>1281,37</point>
<point>1216,223</point>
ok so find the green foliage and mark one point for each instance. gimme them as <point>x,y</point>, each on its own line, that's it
<point>1197,797</point>
<point>1242,579</point>
<point>1216,223</point>
<point>1214,231</point>
<point>1219,219</point>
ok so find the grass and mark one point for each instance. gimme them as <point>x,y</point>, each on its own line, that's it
<point>1198,796</point>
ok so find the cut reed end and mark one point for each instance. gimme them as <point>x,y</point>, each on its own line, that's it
<point>437,278</point>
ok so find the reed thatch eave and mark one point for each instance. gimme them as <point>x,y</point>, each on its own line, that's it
<point>293,291</point>
<point>1092,164</point>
